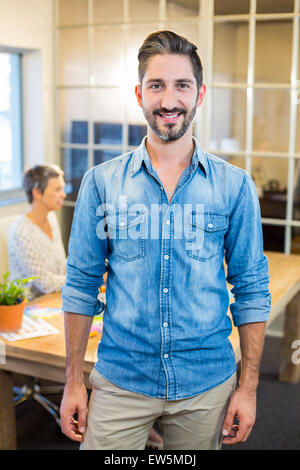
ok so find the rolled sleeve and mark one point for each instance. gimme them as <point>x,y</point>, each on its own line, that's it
<point>247,265</point>
<point>86,253</point>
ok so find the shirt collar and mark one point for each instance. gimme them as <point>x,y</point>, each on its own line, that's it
<point>141,154</point>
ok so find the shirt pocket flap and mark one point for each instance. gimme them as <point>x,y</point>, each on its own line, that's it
<point>208,221</point>
<point>124,219</point>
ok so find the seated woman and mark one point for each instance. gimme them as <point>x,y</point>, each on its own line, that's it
<point>34,243</point>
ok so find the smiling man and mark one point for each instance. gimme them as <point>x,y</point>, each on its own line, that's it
<point>163,218</point>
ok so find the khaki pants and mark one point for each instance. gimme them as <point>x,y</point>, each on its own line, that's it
<point>121,420</point>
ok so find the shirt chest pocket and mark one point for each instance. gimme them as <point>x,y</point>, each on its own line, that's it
<point>125,234</point>
<point>205,234</point>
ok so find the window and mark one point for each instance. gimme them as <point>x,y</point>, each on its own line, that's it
<point>10,123</point>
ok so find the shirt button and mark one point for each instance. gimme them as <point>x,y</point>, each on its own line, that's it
<point>210,225</point>
<point>165,324</point>
<point>166,290</point>
<point>122,224</point>
<point>168,222</point>
<point>166,256</point>
<point>162,188</point>
<point>166,356</point>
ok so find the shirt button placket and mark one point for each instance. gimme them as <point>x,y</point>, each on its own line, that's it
<point>166,301</point>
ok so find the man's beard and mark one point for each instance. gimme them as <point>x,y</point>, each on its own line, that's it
<point>170,134</point>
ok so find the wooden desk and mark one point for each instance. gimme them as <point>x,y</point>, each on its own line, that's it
<point>45,357</point>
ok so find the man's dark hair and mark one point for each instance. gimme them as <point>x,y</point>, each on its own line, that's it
<point>38,177</point>
<point>168,42</point>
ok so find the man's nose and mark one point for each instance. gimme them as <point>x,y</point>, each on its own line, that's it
<point>168,100</point>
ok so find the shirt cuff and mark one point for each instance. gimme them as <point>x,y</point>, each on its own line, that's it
<point>251,311</point>
<point>76,301</point>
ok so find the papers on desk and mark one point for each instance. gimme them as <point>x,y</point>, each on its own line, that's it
<point>42,312</point>
<point>31,328</point>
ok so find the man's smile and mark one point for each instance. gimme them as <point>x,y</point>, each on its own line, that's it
<point>169,117</point>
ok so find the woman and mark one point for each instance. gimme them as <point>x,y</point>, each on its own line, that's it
<point>34,244</point>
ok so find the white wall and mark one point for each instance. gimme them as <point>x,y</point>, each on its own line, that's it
<point>29,25</point>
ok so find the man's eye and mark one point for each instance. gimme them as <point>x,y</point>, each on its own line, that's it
<point>183,86</point>
<point>155,86</point>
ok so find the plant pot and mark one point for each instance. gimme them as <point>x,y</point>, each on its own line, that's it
<point>11,316</point>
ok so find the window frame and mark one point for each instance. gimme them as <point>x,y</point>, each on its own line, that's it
<point>16,195</point>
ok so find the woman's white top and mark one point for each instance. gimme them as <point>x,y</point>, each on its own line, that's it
<point>33,253</point>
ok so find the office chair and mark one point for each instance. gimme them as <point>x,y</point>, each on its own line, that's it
<point>34,391</point>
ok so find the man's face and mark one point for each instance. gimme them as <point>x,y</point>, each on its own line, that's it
<point>169,95</point>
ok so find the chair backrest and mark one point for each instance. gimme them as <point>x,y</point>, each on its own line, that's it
<point>5,224</point>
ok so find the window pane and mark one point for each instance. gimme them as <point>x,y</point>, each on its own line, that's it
<point>134,112</point>
<point>109,51</point>
<point>273,54</point>
<point>182,8</point>
<point>101,156</point>
<point>108,116</point>
<point>10,122</point>
<point>230,52</point>
<point>108,133</point>
<point>108,12</point>
<point>74,57</point>
<point>190,31</point>
<point>136,133</point>
<point>273,236</point>
<point>228,126</point>
<point>271,120</point>
<point>74,163</point>
<point>270,176</point>
<point>74,116</point>
<point>143,10</point>
<point>136,36</point>
<point>232,7</point>
<point>295,244</point>
<point>298,125</point>
<point>274,6</point>
<point>73,12</point>
<point>296,213</point>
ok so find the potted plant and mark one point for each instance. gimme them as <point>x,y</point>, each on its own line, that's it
<point>13,297</point>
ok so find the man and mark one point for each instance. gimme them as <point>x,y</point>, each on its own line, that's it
<point>164,216</point>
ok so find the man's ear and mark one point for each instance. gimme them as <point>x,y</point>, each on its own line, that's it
<point>201,94</point>
<point>138,94</point>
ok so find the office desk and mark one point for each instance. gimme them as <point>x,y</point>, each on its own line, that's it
<point>45,357</point>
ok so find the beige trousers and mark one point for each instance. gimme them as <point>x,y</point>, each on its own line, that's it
<point>121,420</point>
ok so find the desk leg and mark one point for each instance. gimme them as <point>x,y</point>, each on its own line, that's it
<point>289,369</point>
<point>8,440</point>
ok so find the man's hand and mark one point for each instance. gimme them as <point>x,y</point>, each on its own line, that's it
<point>74,401</point>
<point>242,407</point>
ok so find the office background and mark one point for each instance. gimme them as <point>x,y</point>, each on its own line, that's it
<point>75,65</point>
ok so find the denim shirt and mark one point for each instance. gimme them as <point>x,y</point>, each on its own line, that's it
<point>166,322</point>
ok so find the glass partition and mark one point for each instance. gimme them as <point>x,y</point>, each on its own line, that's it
<point>230,59</point>
<point>274,6</point>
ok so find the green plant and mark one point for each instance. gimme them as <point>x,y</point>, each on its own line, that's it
<point>14,291</point>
